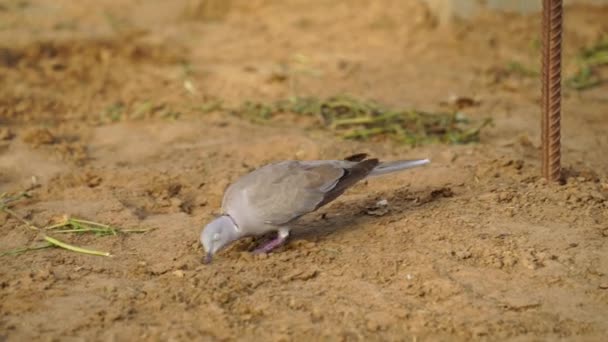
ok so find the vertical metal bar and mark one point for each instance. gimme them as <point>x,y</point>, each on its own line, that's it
<point>551,88</point>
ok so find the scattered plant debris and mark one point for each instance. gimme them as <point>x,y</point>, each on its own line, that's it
<point>67,225</point>
<point>352,118</point>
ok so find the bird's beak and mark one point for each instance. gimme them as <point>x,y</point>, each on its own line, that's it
<point>207,258</point>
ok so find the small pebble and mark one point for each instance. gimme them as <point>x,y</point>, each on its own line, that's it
<point>463,255</point>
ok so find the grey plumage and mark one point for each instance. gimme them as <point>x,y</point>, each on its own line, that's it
<point>271,197</point>
<point>394,166</point>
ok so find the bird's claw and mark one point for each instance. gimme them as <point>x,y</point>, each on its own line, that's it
<point>270,245</point>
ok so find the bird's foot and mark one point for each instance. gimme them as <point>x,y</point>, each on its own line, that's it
<point>274,243</point>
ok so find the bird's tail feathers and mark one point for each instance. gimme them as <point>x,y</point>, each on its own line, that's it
<point>398,165</point>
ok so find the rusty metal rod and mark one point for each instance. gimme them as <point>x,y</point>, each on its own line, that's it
<point>551,88</point>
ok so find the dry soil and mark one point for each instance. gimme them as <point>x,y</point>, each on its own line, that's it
<point>105,106</point>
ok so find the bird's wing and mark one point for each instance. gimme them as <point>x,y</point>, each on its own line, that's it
<point>282,192</point>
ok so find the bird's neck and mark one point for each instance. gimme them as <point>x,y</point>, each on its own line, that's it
<point>234,230</point>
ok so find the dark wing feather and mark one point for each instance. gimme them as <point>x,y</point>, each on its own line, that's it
<point>351,177</point>
<point>356,157</point>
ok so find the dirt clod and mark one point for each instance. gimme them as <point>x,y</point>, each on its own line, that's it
<point>379,321</point>
<point>6,133</point>
<point>301,275</point>
<point>39,136</point>
<point>121,113</point>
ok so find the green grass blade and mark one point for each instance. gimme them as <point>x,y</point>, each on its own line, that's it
<point>24,249</point>
<point>72,248</point>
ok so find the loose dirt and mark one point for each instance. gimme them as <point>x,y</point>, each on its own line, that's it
<point>108,107</point>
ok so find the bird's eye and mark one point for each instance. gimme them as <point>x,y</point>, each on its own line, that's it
<point>216,236</point>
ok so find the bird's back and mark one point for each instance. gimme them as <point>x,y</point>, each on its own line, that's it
<point>277,193</point>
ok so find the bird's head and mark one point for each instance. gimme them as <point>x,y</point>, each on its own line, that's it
<point>218,234</point>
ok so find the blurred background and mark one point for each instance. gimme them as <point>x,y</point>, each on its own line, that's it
<point>140,113</point>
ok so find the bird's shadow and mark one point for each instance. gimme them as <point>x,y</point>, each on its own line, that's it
<point>354,214</point>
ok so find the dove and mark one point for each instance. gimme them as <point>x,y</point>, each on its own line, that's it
<point>273,196</point>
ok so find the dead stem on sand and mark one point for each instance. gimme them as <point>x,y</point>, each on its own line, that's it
<point>352,118</point>
<point>69,225</point>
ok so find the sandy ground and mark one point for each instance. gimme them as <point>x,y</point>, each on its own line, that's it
<point>101,104</point>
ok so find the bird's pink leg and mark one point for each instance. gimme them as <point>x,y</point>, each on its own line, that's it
<point>281,238</point>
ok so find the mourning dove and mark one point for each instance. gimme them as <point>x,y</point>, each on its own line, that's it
<point>273,196</point>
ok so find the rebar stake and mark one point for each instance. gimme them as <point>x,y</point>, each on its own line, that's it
<point>551,88</point>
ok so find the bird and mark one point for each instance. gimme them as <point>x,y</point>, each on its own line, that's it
<point>271,197</point>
